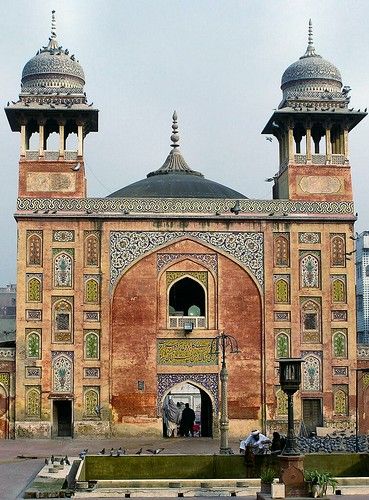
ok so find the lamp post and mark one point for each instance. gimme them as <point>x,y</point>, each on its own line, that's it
<point>290,379</point>
<point>220,344</point>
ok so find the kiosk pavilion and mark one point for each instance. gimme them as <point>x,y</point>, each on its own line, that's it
<point>119,298</point>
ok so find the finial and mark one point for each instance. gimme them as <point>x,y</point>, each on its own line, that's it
<point>310,36</point>
<point>53,24</point>
<point>175,136</point>
<point>310,51</point>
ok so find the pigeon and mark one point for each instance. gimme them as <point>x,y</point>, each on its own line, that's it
<point>52,459</point>
<point>155,452</point>
<point>82,455</point>
<point>46,461</point>
<point>270,139</point>
<point>61,461</point>
<point>120,451</point>
<point>102,452</point>
<point>111,452</point>
<point>139,451</point>
<point>66,460</point>
<point>76,167</point>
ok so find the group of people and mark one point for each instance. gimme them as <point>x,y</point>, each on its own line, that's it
<point>259,444</point>
<point>178,420</point>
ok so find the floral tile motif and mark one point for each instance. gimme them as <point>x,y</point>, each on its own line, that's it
<point>128,246</point>
<point>208,259</point>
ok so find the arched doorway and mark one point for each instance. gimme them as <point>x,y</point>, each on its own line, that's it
<point>4,412</point>
<point>199,400</point>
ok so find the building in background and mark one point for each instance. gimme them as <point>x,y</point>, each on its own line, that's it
<point>7,359</point>
<point>119,299</point>
<point>362,318</point>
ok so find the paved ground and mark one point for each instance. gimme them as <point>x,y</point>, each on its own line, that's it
<point>21,459</point>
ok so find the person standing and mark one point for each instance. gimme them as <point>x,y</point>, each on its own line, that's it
<point>170,416</point>
<point>187,421</point>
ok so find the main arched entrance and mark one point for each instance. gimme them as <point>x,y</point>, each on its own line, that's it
<point>199,400</point>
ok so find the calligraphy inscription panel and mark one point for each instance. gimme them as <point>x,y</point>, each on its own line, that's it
<point>189,352</point>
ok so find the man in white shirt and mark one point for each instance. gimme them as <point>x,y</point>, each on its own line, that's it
<point>258,443</point>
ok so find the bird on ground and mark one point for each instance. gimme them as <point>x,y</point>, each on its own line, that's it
<point>102,452</point>
<point>52,459</point>
<point>76,167</point>
<point>82,455</point>
<point>90,105</point>
<point>46,461</point>
<point>270,139</point>
<point>155,452</point>
<point>8,103</point>
<point>365,110</point>
<point>139,451</point>
<point>111,452</point>
<point>120,451</point>
<point>46,211</point>
<point>61,461</point>
<point>66,460</point>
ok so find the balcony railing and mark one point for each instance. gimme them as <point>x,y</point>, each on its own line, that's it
<point>180,321</point>
<point>318,159</point>
<point>50,155</point>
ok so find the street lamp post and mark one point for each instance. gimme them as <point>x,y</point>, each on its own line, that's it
<point>290,379</point>
<point>220,344</point>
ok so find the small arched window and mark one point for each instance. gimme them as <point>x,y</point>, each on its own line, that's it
<point>281,251</point>
<point>92,294</point>
<point>338,250</point>
<point>63,270</point>
<point>34,250</point>
<point>91,402</point>
<point>62,321</point>
<point>281,291</point>
<point>33,402</point>
<point>92,250</point>
<point>92,345</point>
<point>187,300</point>
<point>339,344</point>
<point>309,271</point>
<point>34,290</point>
<point>33,343</point>
<point>310,321</point>
<point>338,290</point>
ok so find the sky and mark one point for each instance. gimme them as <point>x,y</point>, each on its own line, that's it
<point>218,63</point>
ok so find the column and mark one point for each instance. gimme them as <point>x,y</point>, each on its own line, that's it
<point>61,139</point>
<point>80,140</point>
<point>41,131</point>
<point>308,144</point>
<point>291,153</point>
<point>23,140</point>
<point>345,145</point>
<point>328,145</point>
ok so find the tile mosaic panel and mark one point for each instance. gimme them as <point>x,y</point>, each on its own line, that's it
<point>62,366</point>
<point>33,372</point>
<point>91,372</point>
<point>63,236</point>
<point>339,315</point>
<point>309,238</point>
<point>91,316</point>
<point>188,352</point>
<point>311,373</point>
<point>207,259</point>
<point>33,314</point>
<point>63,267</point>
<point>340,371</point>
<point>127,247</point>
<point>282,316</point>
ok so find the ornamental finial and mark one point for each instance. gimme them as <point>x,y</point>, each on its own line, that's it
<point>310,51</point>
<point>175,136</point>
<point>53,25</point>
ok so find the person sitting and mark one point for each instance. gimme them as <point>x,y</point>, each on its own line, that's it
<point>257,442</point>
<point>278,443</point>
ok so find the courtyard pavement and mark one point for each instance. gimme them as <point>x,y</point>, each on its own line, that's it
<point>21,459</point>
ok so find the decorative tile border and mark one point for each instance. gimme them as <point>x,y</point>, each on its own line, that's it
<point>363,351</point>
<point>91,372</point>
<point>128,246</point>
<point>7,353</point>
<point>340,371</point>
<point>339,315</point>
<point>33,314</point>
<point>33,371</point>
<point>282,316</point>
<point>63,236</point>
<point>209,381</point>
<point>310,238</point>
<point>184,205</point>
<point>91,316</point>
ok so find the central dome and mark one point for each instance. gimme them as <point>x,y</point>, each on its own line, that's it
<point>175,179</point>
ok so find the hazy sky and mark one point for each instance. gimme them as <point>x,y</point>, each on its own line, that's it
<point>217,62</point>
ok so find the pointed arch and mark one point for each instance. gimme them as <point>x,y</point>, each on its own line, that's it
<point>92,250</point>
<point>62,316</point>
<point>282,345</point>
<point>34,289</point>
<point>33,402</point>
<point>91,402</point>
<point>311,320</point>
<point>340,400</point>
<point>339,344</point>
<point>338,289</point>
<point>281,251</point>
<point>62,374</point>
<point>33,345</point>
<point>281,402</point>
<point>281,291</point>
<point>309,271</point>
<point>92,345</point>
<point>92,290</point>
<point>338,250</point>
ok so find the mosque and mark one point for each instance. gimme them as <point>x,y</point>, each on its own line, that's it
<point>119,299</point>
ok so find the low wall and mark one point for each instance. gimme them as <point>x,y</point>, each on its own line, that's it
<point>96,467</point>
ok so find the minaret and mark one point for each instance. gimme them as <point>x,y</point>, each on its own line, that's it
<point>52,100</point>
<point>312,125</point>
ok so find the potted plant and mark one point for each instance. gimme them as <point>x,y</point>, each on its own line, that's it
<point>267,476</point>
<point>319,481</point>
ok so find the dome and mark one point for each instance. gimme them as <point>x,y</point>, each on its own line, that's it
<point>311,71</point>
<point>52,68</point>
<point>175,179</point>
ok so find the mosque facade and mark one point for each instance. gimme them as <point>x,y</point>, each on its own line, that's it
<point>119,299</point>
